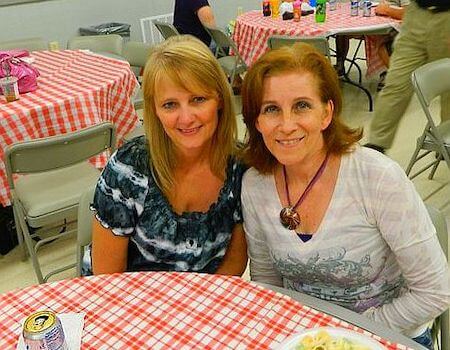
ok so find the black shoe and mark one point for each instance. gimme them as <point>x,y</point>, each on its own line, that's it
<point>375,147</point>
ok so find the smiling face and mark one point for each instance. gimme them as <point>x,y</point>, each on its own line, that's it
<point>292,117</point>
<point>190,119</point>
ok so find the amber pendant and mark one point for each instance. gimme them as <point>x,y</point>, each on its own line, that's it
<point>289,218</point>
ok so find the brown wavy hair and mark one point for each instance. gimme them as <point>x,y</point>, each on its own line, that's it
<point>301,57</point>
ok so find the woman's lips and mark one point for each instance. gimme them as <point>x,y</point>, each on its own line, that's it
<point>290,142</point>
<point>189,131</point>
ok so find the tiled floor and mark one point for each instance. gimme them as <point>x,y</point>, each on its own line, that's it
<point>15,273</point>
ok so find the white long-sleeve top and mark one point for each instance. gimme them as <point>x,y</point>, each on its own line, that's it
<point>375,251</point>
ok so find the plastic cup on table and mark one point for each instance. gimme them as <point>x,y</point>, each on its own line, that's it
<point>10,88</point>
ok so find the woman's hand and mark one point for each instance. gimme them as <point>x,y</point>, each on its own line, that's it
<point>109,252</point>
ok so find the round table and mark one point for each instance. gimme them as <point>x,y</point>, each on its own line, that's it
<point>168,310</point>
<point>252,29</point>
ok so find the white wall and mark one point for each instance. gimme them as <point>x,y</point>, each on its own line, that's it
<point>59,20</point>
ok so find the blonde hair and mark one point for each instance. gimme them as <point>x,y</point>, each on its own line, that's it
<point>188,63</point>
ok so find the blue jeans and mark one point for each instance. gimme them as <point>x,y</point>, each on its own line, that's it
<point>425,339</point>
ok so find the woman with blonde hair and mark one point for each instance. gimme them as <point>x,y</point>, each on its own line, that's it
<point>327,217</point>
<point>170,200</point>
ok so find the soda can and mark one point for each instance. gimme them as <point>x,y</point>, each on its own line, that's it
<point>43,331</point>
<point>354,7</point>
<point>367,9</point>
<point>333,5</point>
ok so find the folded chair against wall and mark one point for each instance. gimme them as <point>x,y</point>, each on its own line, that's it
<point>148,30</point>
<point>440,329</point>
<point>30,44</point>
<point>84,227</point>
<point>430,81</point>
<point>166,29</point>
<point>54,171</point>
<point>231,64</point>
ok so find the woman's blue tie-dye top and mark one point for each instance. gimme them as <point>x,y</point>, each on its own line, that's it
<point>129,202</point>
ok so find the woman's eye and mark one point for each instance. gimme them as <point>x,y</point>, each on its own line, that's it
<point>302,105</point>
<point>199,99</point>
<point>271,109</point>
<point>169,105</point>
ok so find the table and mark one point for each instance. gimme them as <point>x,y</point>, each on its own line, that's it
<point>168,310</point>
<point>252,30</point>
<point>76,89</point>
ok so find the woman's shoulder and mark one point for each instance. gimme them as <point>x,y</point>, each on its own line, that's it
<point>371,160</point>
<point>134,153</point>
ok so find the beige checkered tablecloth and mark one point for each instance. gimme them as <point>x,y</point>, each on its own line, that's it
<point>252,30</point>
<point>76,89</point>
<point>163,310</point>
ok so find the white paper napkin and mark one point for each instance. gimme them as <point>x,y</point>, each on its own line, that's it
<point>72,324</point>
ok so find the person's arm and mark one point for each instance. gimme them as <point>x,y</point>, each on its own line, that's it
<point>406,227</point>
<point>206,16</point>
<point>235,260</point>
<point>383,9</point>
<point>262,268</point>
<point>109,252</point>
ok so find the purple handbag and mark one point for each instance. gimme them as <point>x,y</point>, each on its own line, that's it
<point>11,64</point>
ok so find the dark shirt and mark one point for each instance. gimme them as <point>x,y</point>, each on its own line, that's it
<point>186,20</point>
<point>434,5</point>
<point>129,202</point>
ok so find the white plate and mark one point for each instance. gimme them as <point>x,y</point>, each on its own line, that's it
<point>292,341</point>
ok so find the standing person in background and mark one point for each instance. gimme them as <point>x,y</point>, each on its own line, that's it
<point>424,37</point>
<point>394,9</point>
<point>191,15</point>
<point>170,200</point>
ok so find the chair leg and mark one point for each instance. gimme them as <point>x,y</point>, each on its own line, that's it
<point>19,233</point>
<point>415,154</point>
<point>30,247</point>
<point>435,166</point>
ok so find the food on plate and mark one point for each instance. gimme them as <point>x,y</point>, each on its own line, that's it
<point>322,340</point>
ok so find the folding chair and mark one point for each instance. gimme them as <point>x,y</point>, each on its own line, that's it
<point>320,43</point>
<point>430,81</point>
<point>166,29</point>
<point>440,328</point>
<point>84,227</point>
<point>53,172</point>
<point>31,44</point>
<point>231,64</point>
<point>148,30</point>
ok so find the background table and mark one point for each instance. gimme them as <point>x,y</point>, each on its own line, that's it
<point>252,30</point>
<point>162,310</point>
<point>76,90</point>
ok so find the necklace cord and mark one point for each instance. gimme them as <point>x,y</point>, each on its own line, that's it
<point>308,188</point>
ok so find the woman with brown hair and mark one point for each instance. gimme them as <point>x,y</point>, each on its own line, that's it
<point>327,217</point>
<point>170,200</point>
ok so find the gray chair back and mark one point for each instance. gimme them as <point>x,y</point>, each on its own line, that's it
<point>320,43</point>
<point>49,153</point>
<point>30,44</point>
<point>166,29</point>
<point>112,43</point>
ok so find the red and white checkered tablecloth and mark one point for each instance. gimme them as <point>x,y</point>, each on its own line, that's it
<point>75,89</point>
<point>163,310</point>
<point>252,31</point>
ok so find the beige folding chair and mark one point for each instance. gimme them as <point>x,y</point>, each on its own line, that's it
<point>320,43</point>
<point>84,227</point>
<point>430,81</point>
<point>231,64</point>
<point>136,53</point>
<point>440,329</point>
<point>53,172</point>
<point>110,45</point>
<point>30,44</point>
<point>166,29</point>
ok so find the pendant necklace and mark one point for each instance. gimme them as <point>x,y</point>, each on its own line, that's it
<point>288,216</point>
